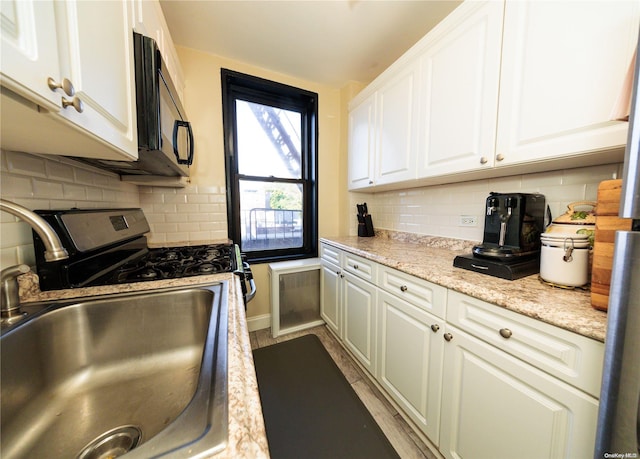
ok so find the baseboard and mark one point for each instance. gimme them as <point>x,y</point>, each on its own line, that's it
<point>259,322</point>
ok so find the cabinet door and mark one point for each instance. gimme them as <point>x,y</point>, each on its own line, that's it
<point>494,405</point>
<point>397,127</point>
<point>30,50</point>
<point>562,69</point>
<point>361,148</point>
<point>460,70</point>
<point>98,58</point>
<point>359,331</point>
<point>410,360</point>
<point>330,296</point>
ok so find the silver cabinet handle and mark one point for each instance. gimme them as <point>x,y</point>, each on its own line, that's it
<point>505,333</point>
<point>65,85</point>
<point>499,157</point>
<point>435,328</point>
<point>484,160</point>
<point>75,103</point>
<point>403,288</point>
<point>447,336</point>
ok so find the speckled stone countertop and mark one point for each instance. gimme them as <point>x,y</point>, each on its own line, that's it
<point>247,436</point>
<point>431,258</point>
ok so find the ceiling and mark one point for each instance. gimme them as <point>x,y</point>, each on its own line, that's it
<point>326,41</point>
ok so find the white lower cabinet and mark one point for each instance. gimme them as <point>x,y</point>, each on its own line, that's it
<point>348,305</point>
<point>481,382</point>
<point>359,330</point>
<point>330,296</point>
<point>410,348</point>
<point>496,406</point>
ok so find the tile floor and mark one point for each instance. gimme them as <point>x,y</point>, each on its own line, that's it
<point>402,437</point>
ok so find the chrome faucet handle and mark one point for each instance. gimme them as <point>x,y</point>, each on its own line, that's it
<point>10,290</point>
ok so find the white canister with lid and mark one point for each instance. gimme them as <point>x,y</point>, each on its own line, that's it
<point>564,259</point>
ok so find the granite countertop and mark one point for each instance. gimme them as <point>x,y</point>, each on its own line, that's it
<point>431,258</point>
<point>247,435</point>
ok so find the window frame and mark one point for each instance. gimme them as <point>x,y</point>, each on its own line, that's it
<point>236,85</point>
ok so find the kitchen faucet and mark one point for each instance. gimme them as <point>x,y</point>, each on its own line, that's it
<point>54,251</point>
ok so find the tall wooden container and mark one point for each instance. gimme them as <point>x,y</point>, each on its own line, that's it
<point>607,223</point>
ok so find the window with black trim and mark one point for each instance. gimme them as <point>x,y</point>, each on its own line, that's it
<point>271,142</point>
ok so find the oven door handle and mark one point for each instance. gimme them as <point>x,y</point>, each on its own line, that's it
<point>249,276</point>
<point>252,293</point>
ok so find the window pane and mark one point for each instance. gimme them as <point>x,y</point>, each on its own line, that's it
<point>270,215</point>
<point>268,141</point>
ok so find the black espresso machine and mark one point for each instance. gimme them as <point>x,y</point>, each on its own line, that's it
<point>511,245</point>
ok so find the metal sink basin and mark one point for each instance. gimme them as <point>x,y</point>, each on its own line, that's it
<point>138,374</point>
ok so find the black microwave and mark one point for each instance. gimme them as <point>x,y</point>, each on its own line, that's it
<point>165,137</point>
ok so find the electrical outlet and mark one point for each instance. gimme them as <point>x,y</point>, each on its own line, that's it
<point>468,220</point>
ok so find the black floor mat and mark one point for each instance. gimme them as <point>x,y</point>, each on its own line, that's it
<point>310,410</point>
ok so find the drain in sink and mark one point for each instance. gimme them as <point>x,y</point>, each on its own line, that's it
<point>113,443</point>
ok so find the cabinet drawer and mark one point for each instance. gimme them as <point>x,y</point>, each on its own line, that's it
<point>419,292</point>
<point>568,356</point>
<point>330,254</point>
<point>360,267</point>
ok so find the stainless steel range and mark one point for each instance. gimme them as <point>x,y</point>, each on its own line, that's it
<point>108,246</point>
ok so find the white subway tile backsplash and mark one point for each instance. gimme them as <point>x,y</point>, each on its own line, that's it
<point>51,182</point>
<point>436,210</point>
<point>176,215</point>
<point>10,184</point>
<point>46,188</point>
<point>76,192</point>
<point>26,165</point>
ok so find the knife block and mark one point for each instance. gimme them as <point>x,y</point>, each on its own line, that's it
<point>365,226</point>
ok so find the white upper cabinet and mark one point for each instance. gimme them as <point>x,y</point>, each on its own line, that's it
<point>97,56</point>
<point>30,50</point>
<point>563,66</point>
<point>397,127</point>
<point>361,143</point>
<point>383,132</point>
<point>459,80</point>
<point>505,87</point>
<point>69,68</point>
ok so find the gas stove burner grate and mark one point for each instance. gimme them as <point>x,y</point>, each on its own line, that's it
<point>177,262</point>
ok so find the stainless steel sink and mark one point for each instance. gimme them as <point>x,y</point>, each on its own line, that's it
<point>137,374</point>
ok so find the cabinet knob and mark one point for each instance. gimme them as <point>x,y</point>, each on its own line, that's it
<point>447,336</point>
<point>341,276</point>
<point>435,328</point>
<point>505,333</point>
<point>65,85</point>
<point>338,273</point>
<point>75,103</point>
<point>403,288</point>
<point>484,160</point>
<point>370,182</point>
<point>499,157</point>
<point>355,266</point>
